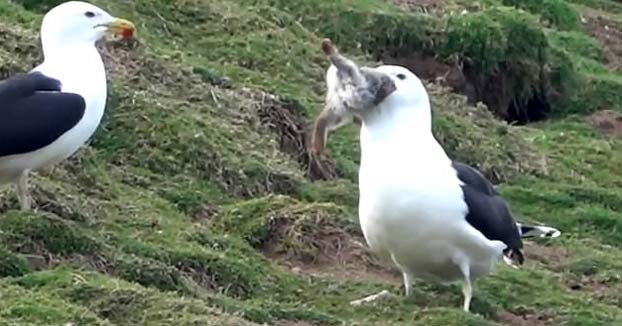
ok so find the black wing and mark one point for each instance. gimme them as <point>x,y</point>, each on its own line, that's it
<point>34,113</point>
<point>488,211</point>
<point>26,84</point>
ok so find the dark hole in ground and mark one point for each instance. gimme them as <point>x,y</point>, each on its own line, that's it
<point>497,91</point>
<point>536,109</point>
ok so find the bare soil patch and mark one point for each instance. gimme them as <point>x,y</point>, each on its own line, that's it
<point>205,213</point>
<point>524,318</point>
<point>598,287</point>
<point>426,6</point>
<point>607,122</point>
<point>354,270</point>
<point>292,323</point>
<point>554,257</point>
<point>340,256</point>
<point>609,34</point>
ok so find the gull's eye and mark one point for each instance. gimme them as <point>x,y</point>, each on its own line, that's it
<point>401,76</point>
<point>89,14</point>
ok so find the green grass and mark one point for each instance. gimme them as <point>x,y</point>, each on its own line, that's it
<point>192,207</point>
<point>606,5</point>
<point>558,13</point>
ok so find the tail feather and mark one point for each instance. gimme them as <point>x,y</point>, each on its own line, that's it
<point>537,231</point>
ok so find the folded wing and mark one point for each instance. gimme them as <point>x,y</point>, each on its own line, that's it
<point>34,113</point>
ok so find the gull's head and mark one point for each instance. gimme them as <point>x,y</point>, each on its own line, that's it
<point>404,113</point>
<point>81,23</point>
<point>408,91</point>
<point>385,84</point>
<point>392,98</point>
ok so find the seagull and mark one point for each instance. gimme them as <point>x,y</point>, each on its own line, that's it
<point>434,218</point>
<point>47,114</point>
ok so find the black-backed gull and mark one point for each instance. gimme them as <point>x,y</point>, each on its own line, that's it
<point>47,114</point>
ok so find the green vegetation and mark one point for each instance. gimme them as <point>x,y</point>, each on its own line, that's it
<point>559,13</point>
<point>196,203</point>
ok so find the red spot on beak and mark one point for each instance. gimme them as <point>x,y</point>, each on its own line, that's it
<point>127,33</point>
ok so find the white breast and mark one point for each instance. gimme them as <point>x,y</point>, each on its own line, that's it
<point>412,210</point>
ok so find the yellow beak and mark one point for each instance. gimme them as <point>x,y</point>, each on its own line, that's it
<point>121,27</point>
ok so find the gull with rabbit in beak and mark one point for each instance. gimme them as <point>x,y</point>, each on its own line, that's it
<point>434,218</point>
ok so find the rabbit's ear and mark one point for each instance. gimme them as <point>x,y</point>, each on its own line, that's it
<point>346,68</point>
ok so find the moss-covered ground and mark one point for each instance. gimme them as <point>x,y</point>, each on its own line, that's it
<point>196,203</point>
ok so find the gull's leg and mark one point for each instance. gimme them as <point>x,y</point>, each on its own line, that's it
<point>467,288</point>
<point>408,284</point>
<point>408,278</point>
<point>22,191</point>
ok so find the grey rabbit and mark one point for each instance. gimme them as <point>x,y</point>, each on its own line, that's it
<point>350,90</point>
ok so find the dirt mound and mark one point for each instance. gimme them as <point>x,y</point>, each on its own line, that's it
<point>608,122</point>
<point>524,319</point>
<point>554,257</point>
<point>293,134</point>
<point>426,6</point>
<point>598,288</point>
<point>299,235</point>
<point>609,34</point>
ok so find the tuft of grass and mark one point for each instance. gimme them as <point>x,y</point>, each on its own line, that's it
<point>283,226</point>
<point>21,306</point>
<point>558,13</point>
<point>12,264</point>
<point>123,303</point>
<point>576,43</point>
<point>54,235</point>
<point>606,5</point>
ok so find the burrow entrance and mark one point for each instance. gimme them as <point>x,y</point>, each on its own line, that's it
<point>496,90</point>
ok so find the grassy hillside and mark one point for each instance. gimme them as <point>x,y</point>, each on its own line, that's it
<point>196,202</point>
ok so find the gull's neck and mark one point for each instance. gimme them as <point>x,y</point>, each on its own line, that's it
<point>392,120</point>
<point>59,51</point>
<point>78,66</point>
<point>400,135</point>
<point>80,69</point>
